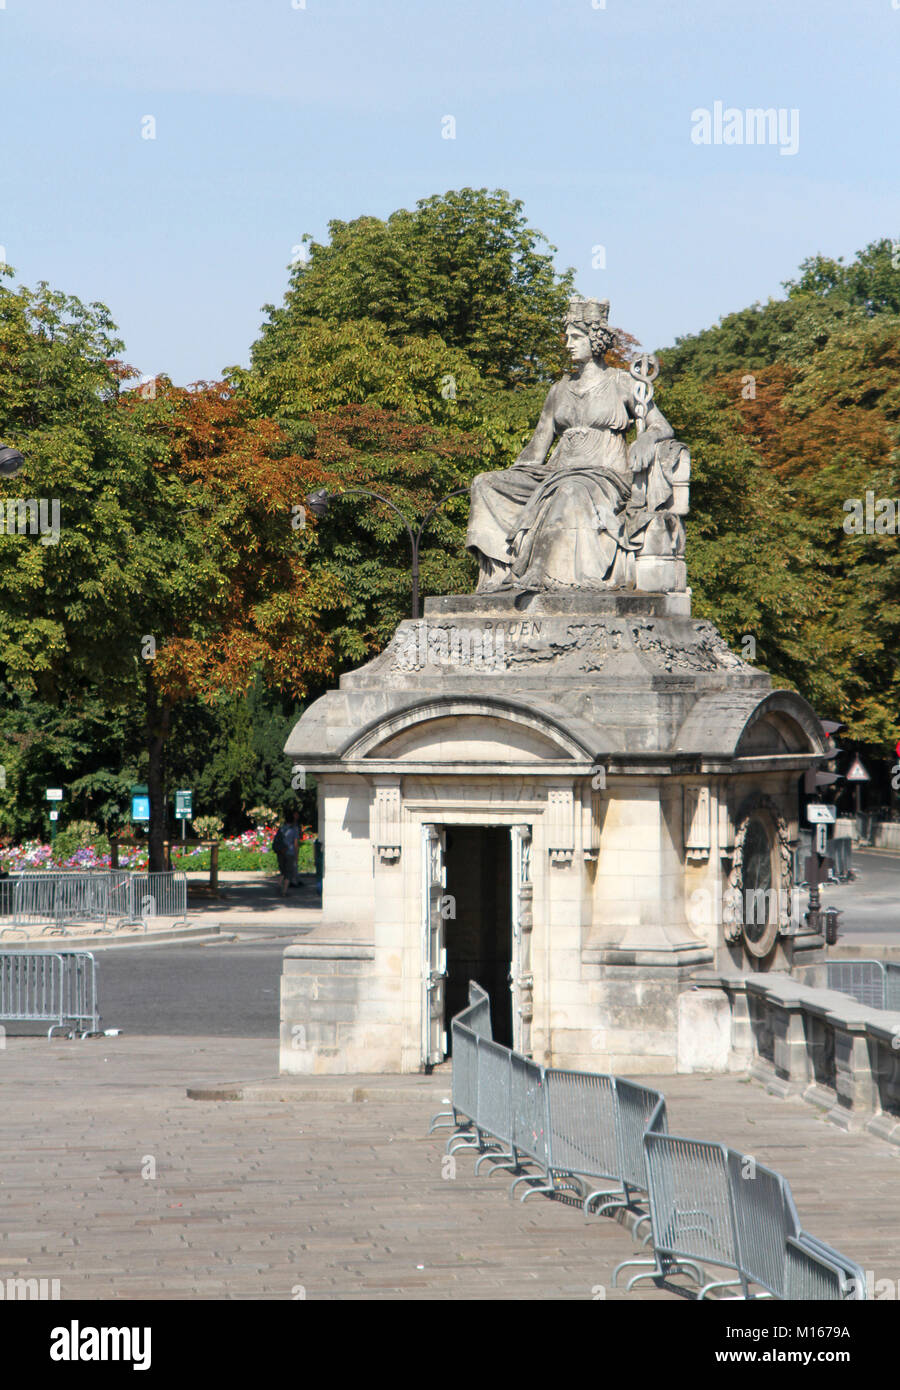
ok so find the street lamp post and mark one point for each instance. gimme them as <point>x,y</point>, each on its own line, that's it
<point>319,502</point>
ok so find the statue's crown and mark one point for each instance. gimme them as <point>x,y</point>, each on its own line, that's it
<point>587,311</point>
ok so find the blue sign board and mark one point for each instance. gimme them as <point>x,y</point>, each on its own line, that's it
<point>140,804</point>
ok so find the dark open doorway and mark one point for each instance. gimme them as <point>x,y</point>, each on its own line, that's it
<point>479,937</point>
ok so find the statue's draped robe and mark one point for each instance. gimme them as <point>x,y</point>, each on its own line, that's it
<point>560,521</point>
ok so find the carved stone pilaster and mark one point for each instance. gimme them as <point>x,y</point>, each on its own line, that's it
<point>592,808</point>
<point>726,826</point>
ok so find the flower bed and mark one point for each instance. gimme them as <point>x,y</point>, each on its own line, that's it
<point>247,852</point>
<point>34,855</point>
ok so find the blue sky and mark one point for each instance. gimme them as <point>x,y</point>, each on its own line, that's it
<point>272,118</point>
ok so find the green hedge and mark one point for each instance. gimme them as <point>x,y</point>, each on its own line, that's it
<point>243,860</point>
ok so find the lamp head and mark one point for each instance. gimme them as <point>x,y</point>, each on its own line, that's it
<point>10,461</point>
<point>318,502</point>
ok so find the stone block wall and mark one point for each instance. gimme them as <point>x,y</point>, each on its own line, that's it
<point>337,1016</point>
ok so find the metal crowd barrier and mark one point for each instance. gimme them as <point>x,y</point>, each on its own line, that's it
<point>892,984</point>
<point>875,983</point>
<point>862,980</point>
<point>55,987</point>
<point>106,899</point>
<point>595,1126</point>
<point>53,901</point>
<point>575,1128</point>
<point>472,1022</point>
<point>708,1204</point>
<point>155,895</point>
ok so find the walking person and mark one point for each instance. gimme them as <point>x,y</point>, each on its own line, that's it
<point>278,849</point>
<point>290,836</point>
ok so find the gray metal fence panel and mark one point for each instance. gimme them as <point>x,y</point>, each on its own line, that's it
<point>853,1279</point>
<point>690,1200</point>
<point>581,1109</point>
<point>54,987</point>
<point>56,900</point>
<point>478,1015</point>
<point>475,1020</point>
<point>156,895</point>
<point>809,1277</point>
<point>31,987</point>
<point>34,900</point>
<point>638,1108</point>
<point>465,1071</point>
<point>80,1005</point>
<point>892,985</point>
<point>764,1220</point>
<point>862,980</point>
<point>88,897</point>
<point>494,1090</point>
<point>528,1105</point>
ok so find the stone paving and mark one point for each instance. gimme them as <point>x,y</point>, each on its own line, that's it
<point>270,1200</point>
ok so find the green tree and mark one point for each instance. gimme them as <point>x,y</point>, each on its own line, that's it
<point>800,397</point>
<point>464,268</point>
<point>177,569</point>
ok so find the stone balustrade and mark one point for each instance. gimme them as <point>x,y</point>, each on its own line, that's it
<point>803,1040</point>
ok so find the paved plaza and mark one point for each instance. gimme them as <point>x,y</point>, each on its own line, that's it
<point>306,1192</point>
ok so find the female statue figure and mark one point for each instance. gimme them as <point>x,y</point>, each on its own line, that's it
<point>576,519</point>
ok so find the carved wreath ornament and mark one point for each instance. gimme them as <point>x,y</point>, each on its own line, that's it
<point>759,937</point>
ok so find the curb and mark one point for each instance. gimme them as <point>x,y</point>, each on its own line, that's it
<point>189,935</point>
<point>276,1092</point>
<point>864,950</point>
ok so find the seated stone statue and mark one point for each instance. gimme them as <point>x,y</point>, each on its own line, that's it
<point>594,513</point>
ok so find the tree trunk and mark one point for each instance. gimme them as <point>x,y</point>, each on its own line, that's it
<point>159,714</point>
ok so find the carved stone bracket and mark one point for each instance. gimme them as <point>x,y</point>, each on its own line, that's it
<point>386,837</point>
<point>561,824</point>
<point>696,822</point>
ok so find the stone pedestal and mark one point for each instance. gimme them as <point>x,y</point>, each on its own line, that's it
<point>612,751</point>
